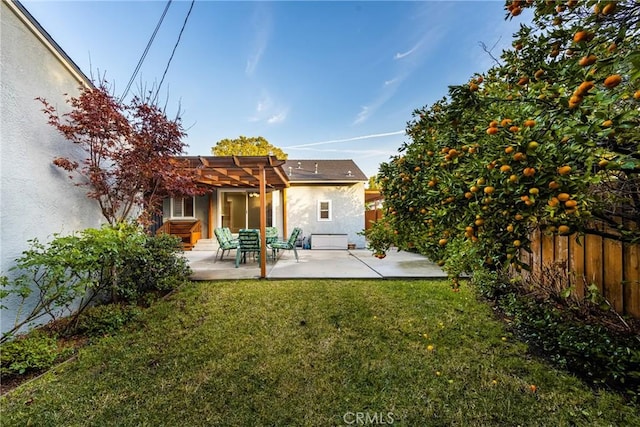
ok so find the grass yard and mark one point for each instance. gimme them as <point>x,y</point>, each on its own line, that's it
<point>312,353</point>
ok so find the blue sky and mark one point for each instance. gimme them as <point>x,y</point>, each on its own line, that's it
<point>321,80</point>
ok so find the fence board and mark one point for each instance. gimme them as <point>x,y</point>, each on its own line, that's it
<point>612,266</point>
<point>593,267</point>
<point>577,262</point>
<point>632,279</point>
<point>548,250</point>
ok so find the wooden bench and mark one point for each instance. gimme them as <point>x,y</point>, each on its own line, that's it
<point>189,231</point>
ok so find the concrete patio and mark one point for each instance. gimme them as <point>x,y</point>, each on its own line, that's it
<point>316,264</point>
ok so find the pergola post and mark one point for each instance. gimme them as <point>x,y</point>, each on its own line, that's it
<point>263,222</point>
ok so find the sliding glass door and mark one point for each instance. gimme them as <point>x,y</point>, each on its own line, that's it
<point>241,209</point>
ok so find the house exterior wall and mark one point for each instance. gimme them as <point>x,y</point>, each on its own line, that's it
<point>37,199</point>
<point>347,205</point>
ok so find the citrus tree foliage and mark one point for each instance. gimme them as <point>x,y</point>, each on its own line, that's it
<point>548,138</point>
<point>129,152</point>
<point>247,146</point>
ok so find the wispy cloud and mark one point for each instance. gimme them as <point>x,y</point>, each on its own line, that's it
<point>409,52</point>
<point>427,40</point>
<point>354,138</point>
<point>277,118</point>
<point>268,111</point>
<point>261,22</point>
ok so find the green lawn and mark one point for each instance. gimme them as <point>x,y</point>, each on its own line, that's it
<point>314,353</point>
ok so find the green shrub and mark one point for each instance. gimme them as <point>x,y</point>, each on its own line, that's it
<point>157,266</point>
<point>27,354</point>
<point>109,264</point>
<point>106,319</point>
<point>590,350</point>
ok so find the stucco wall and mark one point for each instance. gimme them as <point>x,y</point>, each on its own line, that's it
<point>347,206</point>
<point>36,198</point>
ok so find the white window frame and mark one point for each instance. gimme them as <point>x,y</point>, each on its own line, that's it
<point>320,210</point>
<point>174,202</point>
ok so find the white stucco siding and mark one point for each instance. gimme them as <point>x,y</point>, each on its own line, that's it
<point>347,210</point>
<point>37,199</point>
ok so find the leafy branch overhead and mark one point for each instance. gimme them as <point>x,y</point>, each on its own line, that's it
<point>129,152</point>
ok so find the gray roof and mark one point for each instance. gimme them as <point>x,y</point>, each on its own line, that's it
<point>334,171</point>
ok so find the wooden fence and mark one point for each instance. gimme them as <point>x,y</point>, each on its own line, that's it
<point>370,216</point>
<point>613,266</point>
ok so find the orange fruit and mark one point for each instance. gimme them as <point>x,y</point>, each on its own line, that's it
<point>519,156</point>
<point>582,36</point>
<point>468,195</point>
<point>584,88</point>
<point>473,87</point>
<point>534,191</point>
<point>636,95</point>
<point>564,170</point>
<point>539,74</point>
<point>489,190</point>
<point>509,150</point>
<point>529,172</point>
<point>553,202</point>
<point>554,185</point>
<point>612,81</point>
<point>523,81</point>
<point>474,189</point>
<point>518,217</point>
<point>513,178</point>
<point>563,197</point>
<point>510,228</point>
<point>585,61</point>
<point>514,129</point>
<point>564,229</point>
<point>442,242</point>
<point>529,123</point>
<point>505,122</point>
<point>607,124</point>
<point>608,9</point>
<point>603,163</point>
<point>493,124</point>
<point>575,100</point>
<point>517,243</point>
<point>478,222</point>
<point>570,204</point>
<point>505,168</point>
<point>492,131</point>
<point>533,145</point>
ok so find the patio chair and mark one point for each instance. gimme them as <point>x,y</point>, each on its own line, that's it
<point>225,243</point>
<point>271,234</point>
<point>289,244</point>
<point>248,242</point>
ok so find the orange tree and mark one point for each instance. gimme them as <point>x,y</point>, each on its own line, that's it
<point>548,138</point>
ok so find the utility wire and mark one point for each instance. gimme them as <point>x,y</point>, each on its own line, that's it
<point>146,50</point>
<point>184,24</point>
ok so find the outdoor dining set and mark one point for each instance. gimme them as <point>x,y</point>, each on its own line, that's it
<point>248,242</point>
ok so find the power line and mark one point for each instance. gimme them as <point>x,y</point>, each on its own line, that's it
<point>184,24</point>
<point>146,50</point>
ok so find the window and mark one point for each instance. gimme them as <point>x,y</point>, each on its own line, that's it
<point>182,207</point>
<point>324,210</point>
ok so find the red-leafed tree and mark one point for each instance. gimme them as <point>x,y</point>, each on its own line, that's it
<point>130,149</point>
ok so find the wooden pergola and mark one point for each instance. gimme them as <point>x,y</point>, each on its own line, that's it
<point>262,172</point>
